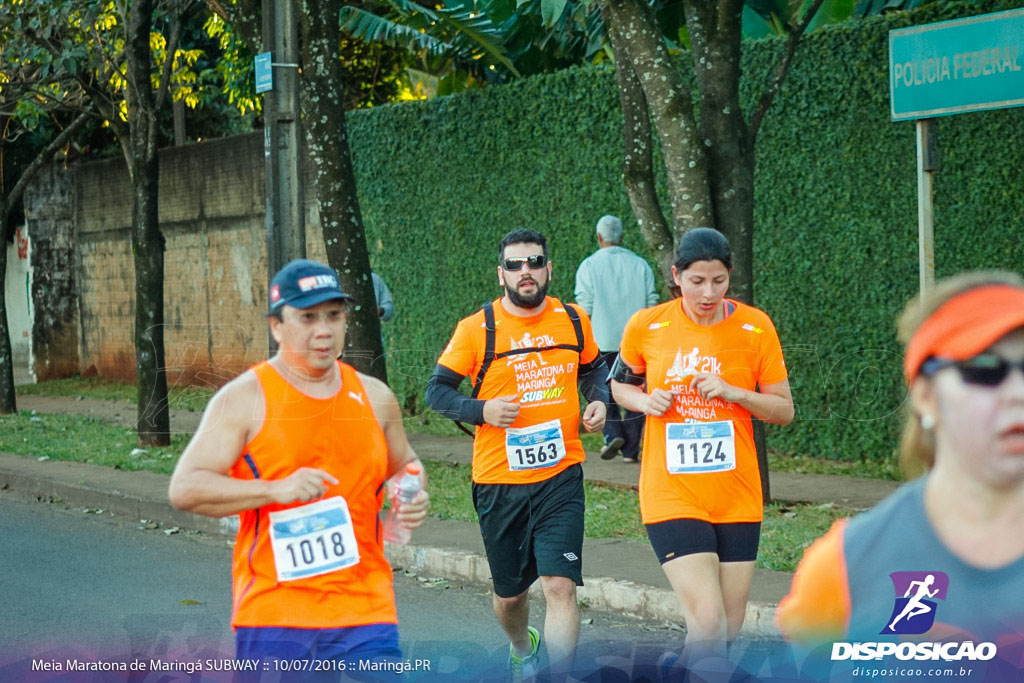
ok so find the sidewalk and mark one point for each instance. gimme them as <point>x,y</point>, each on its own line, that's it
<point>620,574</point>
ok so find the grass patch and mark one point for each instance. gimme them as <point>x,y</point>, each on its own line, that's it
<point>431,423</point>
<point>179,398</point>
<point>802,464</point>
<point>787,530</point>
<point>428,422</point>
<point>610,512</point>
<point>85,439</point>
<point>451,494</point>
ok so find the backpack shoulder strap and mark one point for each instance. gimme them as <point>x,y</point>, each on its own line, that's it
<point>489,326</point>
<point>577,326</point>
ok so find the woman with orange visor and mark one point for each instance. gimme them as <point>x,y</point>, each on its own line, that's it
<point>942,559</point>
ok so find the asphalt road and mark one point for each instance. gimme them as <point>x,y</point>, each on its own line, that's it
<point>88,586</point>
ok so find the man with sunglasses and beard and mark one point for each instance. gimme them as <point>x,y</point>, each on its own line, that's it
<point>526,354</point>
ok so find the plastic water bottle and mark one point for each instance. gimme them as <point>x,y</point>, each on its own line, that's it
<point>409,483</point>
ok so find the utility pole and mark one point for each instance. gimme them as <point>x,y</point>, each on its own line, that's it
<point>282,140</point>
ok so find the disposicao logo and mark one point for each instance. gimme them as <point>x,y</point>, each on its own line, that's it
<point>913,613</point>
<point>916,592</point>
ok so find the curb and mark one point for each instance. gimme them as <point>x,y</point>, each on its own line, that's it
<point>607,594</point>
<point>134,495</point>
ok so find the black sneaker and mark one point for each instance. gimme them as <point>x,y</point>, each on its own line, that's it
<point>612,448</point>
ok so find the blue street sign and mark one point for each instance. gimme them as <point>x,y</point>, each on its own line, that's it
<point>264,73</point>
<point>952,67</point>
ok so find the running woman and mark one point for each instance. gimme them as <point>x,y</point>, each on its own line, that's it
<point>699,367</point>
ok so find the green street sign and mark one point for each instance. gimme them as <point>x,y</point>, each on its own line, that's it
<point>952,67</point>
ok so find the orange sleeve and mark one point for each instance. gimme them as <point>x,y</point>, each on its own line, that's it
<point>590,350</point>
<point>460,356</point>
<point>629,347</point>
<point>817,608</point>
<point>771,365</point>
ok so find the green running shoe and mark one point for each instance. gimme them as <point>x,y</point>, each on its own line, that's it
<point>524,668</point>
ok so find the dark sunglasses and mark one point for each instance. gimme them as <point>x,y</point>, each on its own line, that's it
<point>517,262</point>
<point>986,369</point>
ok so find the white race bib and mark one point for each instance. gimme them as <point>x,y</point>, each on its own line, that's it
<point>694,447</point>
<point>313,539</point>
<point>536,447</point>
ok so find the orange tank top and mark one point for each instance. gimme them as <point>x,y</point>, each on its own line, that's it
<point>323,566</point>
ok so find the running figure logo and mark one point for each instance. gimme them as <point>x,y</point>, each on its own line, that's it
<point>683,365</point>
<point>914,612</point>
<point>529,342</point>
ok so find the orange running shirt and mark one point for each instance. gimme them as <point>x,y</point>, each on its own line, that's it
<point>716,475</point>
<point>340,435</point>
<point>817,608</point>
<point>544,384</point>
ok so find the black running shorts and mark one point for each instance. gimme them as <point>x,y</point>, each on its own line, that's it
<point>532,530</point>
<point>733,542</point>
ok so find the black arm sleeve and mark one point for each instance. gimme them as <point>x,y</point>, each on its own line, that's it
<point>593,380</point>
<point>444,397</point>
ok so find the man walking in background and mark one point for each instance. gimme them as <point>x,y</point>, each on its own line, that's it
<point>385,304</point>
<point>611,285</point>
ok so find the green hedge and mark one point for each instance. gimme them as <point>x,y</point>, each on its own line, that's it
<point>836,217</point>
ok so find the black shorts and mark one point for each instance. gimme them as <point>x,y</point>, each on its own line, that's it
<point>532,530</point>
<point>732,542</point>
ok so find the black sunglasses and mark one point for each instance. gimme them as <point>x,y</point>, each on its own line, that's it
<point>986,369</point>
<point>517,262</point>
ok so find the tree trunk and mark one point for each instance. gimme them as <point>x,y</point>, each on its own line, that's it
<point>147,241</point>
<point>8,405</point>
<point>670,103</point>
<point>638,157</point>
<point>323,117</point>
<point>715,33</point>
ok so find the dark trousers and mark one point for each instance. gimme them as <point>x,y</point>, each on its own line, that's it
<point>621,422</point>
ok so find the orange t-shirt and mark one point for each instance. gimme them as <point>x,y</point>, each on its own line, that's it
<point>709,470</point>
<point>817,608</point>
<point>544,439</point>
<point>340,435</point>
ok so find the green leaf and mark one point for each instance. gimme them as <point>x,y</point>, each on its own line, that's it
<point>551,11</point>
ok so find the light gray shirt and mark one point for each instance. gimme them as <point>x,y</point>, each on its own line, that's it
<point>611,285</point>
<point>383,296</point>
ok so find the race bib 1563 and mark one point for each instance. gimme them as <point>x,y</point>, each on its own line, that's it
<point>531,448</point>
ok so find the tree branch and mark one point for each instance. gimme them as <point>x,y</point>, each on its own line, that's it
<point>169,55</point>
<point>42,158</point>
<point>779,75</point>
<point>218,10</point>
<point>244,17</point>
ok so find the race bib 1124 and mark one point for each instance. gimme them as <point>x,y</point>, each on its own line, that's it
<point>697,447</point>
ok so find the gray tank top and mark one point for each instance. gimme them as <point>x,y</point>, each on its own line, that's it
<point>958,601</point>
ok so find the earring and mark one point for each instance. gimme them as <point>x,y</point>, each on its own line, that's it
<point>927,422</point>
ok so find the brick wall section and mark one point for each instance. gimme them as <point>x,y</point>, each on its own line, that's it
<point>212,213</point>
<point>55,303</point>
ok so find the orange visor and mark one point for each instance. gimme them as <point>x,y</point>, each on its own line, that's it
<point>965,326</point>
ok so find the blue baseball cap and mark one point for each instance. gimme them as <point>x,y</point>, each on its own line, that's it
<point>303,284</point>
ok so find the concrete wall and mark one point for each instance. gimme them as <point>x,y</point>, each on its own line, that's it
<point>212,214</point>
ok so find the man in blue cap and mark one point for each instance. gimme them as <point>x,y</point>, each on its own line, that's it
<point>300,447</point>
